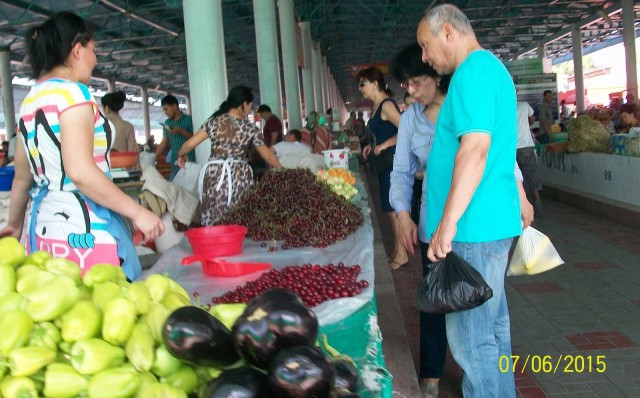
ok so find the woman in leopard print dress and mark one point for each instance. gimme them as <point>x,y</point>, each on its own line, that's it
<point>227,175</point>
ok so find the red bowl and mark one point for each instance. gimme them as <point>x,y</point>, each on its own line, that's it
<point>219,267</point>
<point>216,241</point>
<point>123,160</point>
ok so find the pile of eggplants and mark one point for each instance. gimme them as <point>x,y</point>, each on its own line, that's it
<point>276,339</point>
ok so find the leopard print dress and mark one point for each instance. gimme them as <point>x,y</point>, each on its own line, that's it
<point>230,141</point>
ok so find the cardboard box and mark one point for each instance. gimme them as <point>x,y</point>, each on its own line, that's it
<point>618,144</point>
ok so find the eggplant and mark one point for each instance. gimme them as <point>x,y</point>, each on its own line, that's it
<point>270,323</point>
<point>347,378</point>
<point>301,372</point>
<point>194,336</point>
<point>242,382</point>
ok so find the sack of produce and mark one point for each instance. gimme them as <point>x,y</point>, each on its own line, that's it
<point>534,253</point>
<point>588,135</point>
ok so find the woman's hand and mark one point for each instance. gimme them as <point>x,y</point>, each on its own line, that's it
<point>366,151</point>
<point>378,149</point>
<point>149,224</point>
<point>408,231</point>
<point>9,231</point>
<point>182,161</point>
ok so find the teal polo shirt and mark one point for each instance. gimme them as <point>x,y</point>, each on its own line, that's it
<point>481,99</point>
<point>177,140</point>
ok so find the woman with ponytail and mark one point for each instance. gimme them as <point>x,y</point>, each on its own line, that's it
<point>225,178</point>
<point>62,151</point>
<point>383,125</point>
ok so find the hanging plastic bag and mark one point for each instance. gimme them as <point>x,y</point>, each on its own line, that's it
<point>534,253</point>
<point>452,285</point>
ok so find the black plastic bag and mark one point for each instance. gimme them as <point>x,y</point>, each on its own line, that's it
<point>452,285</point>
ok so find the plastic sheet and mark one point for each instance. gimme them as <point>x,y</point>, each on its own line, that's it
<point>357,248</point>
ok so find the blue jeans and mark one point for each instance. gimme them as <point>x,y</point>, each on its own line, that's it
<point>480,336</point>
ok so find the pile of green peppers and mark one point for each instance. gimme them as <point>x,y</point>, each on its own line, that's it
<point>64,334</point>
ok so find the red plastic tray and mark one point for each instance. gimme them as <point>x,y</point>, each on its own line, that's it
<point>218,267</point>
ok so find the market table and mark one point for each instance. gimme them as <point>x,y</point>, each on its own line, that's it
<point>351,324</point>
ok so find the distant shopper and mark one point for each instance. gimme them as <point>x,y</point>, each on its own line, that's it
<point>177,129</point>
<point>272,129</point>
<point>348,125</point>
<point>125,140</point>
<point>290,145</point>
<point>545,116</point>
<point>628,117</point>
<point>526,156</point>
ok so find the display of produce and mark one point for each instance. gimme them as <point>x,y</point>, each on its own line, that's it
<point>341,181</point>
<point>293,206</point>
<point>588,135</point>
<point>313,283</point>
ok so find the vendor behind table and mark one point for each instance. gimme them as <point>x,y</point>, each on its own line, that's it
<point>227,175</point>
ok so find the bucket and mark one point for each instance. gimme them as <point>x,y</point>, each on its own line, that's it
<point>216,241</point>
<point>337,158</point>
<point>6,177</point>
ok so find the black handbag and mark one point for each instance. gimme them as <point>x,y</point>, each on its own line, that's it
<point>379,164</point>
<point>452,285</point>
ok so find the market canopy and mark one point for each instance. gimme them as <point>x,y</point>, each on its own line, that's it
<point>142,42</point>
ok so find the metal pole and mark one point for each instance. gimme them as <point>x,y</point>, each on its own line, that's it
<point>576,38</point>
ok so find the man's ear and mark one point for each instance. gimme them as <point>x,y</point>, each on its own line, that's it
<point>448,31</point>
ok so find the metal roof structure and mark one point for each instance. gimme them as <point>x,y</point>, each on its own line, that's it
<point>142,42</point>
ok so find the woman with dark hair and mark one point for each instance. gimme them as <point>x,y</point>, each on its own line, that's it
<point>383,125</point>
<point>64,146</point>
<point>225,178</point>
<point>125,139</point>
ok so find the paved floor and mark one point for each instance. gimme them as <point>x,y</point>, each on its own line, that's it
<point>577,326</point>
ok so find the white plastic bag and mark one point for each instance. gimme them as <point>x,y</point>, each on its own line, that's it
<point>534,253</point>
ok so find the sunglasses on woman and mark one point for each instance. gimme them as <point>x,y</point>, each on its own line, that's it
<point>362,83</point>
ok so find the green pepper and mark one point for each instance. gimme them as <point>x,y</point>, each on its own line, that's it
<point>26,269</point>
<point>175,287</point>
<point>27,283</point>
<point>105,292</point>
<point>51,301</point>
<point>62,266</point>
<point>141,348</point>
<point>139,294</point>
<point>158,286</point>
<point>101,273</point>
<point>228,314</point>
<point>121,382</point>
<point>13,253</point>
<point>37,258</point>
<point>26,361</point>
<point>185,379</point>
<point>7,280</point>
<point>159,390</point>
<point>15,327</point>
<point>82,321</point>
<point>91,356</point>
<point>18,387</point>
<point>12,301</point>
<point>146,378</point>
<point>173,300</point>
<point>155,319</point>
<point>45,334</point>
<point>118,321</point>
<point>62,381</point>
<point>165,363</point>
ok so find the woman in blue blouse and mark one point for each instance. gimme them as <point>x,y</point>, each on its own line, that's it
<point>415,138</point>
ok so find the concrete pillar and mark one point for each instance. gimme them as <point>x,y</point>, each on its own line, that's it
<point>290,62</point>
<point>111,85</point>
<point>317,78</point>
<point>7,93</point>
<point>307,71</point>
<point>144,93</point>
<point>629,35</point>
<point>188,99</point>
<point>267,48</point>
<point>206,62</point>
<point>541,50</point>
<point>324,83</point>
<point>576,39</point>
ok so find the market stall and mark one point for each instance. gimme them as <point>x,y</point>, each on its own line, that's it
<point>350,323</point>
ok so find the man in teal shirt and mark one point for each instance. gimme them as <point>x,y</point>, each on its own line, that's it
<point>473,206</point>
<point>177,129</point>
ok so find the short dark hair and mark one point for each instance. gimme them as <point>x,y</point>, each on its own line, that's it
<point>169,100</point>
<point>49,44</point>
<point>115,101</point>
<point>408,64</point>
<point>263,108</point>
<point>374,74</point>
<point>296,134</point>
<point>547,92</point>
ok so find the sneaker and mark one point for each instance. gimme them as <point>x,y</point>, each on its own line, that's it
<point>429,390</point>
<point>539,210</point>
